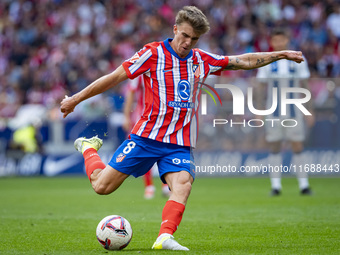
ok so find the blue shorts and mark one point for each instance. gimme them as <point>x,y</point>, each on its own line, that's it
<point>136,156</point>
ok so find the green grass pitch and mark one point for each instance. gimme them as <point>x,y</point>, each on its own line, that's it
<point>223,216</point>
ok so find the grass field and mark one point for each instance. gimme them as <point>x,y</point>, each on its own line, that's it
<point>224,216</point>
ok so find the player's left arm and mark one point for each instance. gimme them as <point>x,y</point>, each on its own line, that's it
<point>255,60</point>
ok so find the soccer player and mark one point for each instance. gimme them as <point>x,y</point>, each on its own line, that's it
<point>132,114</point>
<point>172,70</point>
<point>283,74</point>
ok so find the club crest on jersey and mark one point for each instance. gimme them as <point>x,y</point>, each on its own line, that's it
<point>197,70</point>
<point>120,157</point>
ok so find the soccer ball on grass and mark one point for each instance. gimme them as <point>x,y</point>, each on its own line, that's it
<point>114,232</point>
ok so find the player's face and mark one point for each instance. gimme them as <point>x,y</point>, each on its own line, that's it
<point>279,42</point>
<point>184,40</point>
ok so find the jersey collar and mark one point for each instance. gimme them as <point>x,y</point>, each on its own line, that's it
<point>171,50</point>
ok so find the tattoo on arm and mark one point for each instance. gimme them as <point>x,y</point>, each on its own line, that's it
<point>255,60</point>
<point>259,61</point>
<point>274,58</point>
<point>231,65</point>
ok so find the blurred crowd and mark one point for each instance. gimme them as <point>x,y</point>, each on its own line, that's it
<point>49,48</point>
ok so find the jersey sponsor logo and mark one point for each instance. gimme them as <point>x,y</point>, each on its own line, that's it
<point>176,161</point>
<point>183,90</point>
<point>181,104</point>
<point>120,157</point>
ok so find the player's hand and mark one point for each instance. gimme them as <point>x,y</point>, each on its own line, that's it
<point>293,55</point>
<point>67,105</point>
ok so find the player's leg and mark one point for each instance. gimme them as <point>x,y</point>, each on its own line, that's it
<point>176,169</point>
<point>301,175</point>
<point>275,160</point>
<point>297,135</point>
<point>180,184</point>
<point>104,179</point>
<point>149,191</point>
<point>274,137</point>
<point>107,180</point>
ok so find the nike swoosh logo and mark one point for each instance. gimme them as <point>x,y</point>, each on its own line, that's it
<point>165,71</point>
<point>54,167</point>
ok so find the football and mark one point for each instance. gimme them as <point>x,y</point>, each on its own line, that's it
<point>114,232</point>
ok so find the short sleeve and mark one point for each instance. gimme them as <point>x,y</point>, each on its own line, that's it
<point>217,63</point>
<point>138,63</point>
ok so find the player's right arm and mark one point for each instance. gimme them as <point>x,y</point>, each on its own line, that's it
<point>97,87</point>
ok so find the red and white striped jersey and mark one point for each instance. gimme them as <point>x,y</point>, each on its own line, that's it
<point>172,90</point>
<point>137,86</point>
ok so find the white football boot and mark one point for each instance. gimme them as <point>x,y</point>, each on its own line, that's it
<point>81,144</point>
<point>167,242</point>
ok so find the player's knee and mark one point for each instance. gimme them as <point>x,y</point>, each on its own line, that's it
<point>183,189</point>
<point>101,189</point>
<point>187,187</point>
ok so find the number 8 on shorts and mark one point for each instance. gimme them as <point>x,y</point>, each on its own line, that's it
<point>129,147</point>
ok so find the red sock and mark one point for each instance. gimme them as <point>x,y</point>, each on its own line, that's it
<point>171,217</point>
<point>148,179</point>
<point>92,161</point>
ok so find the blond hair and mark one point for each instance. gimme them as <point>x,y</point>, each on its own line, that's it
<point>194,17</point>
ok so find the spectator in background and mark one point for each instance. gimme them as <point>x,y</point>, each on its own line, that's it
<point>333,20</point>
<point>25,126</point>
<point>285,74</point>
